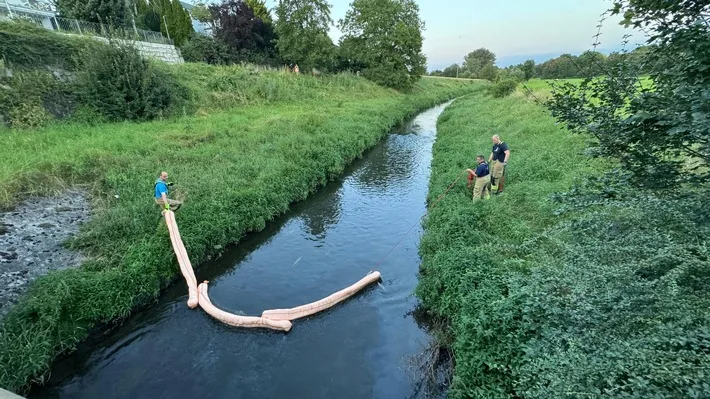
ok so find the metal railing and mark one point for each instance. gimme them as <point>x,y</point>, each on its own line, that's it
<point>66,25</point>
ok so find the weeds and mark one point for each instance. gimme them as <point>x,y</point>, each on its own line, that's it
<point>236,170</point>
<point>570,283</point>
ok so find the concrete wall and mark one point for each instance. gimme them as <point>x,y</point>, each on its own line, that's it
<point>163,52</point>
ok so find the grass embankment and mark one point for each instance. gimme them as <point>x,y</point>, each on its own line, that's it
<point>235,170</point>
<point>601,291</point>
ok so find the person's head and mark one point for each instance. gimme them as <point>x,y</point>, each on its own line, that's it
<point>496,139</point>
<point>164,176</point>
<point>480,159</point>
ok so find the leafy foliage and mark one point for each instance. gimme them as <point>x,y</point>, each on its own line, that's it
<point>503,88</point>
<point>386,37</point>
<point>596,291</point>
<point>480,64</point>
<point>120,84</point>
<point>249,36</point>
<point>24,45</point>
<point>112,12</point>
<point>201,13</point>
<point>451,71</point>
<point>302,28</point>
<point>659,133</point>
<point>208,50</point>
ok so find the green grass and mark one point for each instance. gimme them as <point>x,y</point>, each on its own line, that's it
<point>235,170</point>
<point>600,292</point>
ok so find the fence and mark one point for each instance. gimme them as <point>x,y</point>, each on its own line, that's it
<point>66,25</point>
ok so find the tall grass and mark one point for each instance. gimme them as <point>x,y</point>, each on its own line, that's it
<point>561,286</point>
<point>235,171</point>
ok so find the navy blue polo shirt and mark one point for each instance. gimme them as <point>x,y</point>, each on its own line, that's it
<point>482,170</point>
<point>499,151</point>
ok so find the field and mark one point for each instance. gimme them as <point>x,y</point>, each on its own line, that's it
<point>569,284</point>
<point>236,167</point>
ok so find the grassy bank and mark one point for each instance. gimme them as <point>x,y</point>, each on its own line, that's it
<point>235,171</point>
<point>562,286</point>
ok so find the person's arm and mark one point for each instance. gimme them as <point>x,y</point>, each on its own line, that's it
<point>507,155</point>
<point>471,171</point>
<point>490,157</point>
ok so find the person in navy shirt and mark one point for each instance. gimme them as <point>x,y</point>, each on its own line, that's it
<point>483,179</point>
<point>161,194</point>
<point>499,156</point>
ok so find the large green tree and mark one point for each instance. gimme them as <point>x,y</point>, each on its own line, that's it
<point>386,37</point>
<point>112,12</point>
<point>302,27</point>
<point>480,63</point>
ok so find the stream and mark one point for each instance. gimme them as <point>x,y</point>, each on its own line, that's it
<point>362,348</point>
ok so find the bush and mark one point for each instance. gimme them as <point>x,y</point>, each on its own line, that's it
<point>24,44</point>
<point>24,94</point>
<point>29,116</point>
<point>504,88</point>
<point>121,85</point>
<point>208,50</point>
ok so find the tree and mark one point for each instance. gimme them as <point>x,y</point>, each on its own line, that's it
<point>476,60</point>
<point>209,50</point>
<point>386,37</point>
<point>201,13</point>
<point>488,72</point>
<point>112,12</point>
<point>260,10</point>
<point>302,27</point>
<point>146,16</point>
<point>658,131</point>
<point>451,71</point>
<point>528,69</point>
<point>249,36</point>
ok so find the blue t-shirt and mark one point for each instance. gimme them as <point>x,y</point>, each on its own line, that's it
<point>482,170</point>
<point>160,188</point>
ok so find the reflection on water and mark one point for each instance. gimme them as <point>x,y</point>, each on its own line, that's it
<point>360,349</point>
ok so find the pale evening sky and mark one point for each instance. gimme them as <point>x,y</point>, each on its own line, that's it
<point>513,29</point>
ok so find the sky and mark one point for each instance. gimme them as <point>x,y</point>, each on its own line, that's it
<point>515,30</point>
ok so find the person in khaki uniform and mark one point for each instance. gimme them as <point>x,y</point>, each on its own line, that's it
<point>499,158</point>
<point>482,187</point>
<point>161,194</point>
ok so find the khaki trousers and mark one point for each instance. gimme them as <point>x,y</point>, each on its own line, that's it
<point>482,186</point>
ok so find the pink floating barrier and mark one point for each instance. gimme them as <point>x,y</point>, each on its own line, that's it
<point>325,303</point>
<point>183,259</point>
<point>236,320</point>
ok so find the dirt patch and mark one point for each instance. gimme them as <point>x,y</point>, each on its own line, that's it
<point>31,238</point>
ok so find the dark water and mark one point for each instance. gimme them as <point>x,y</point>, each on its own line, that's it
<point>362,348</point>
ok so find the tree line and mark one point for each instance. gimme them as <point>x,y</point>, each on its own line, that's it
<point>382,39</point>
<point>480,64</point>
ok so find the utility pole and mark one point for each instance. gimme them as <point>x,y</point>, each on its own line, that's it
<point>166,26</point>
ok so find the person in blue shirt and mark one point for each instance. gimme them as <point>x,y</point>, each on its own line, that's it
<point>482,188</point>
<point>160,193</point>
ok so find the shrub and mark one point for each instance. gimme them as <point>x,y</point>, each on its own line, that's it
<point>29,116</point>
<point>503,88</point>
<point>121,85</point>
<point>208,50</point>
<point>32,91</point>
